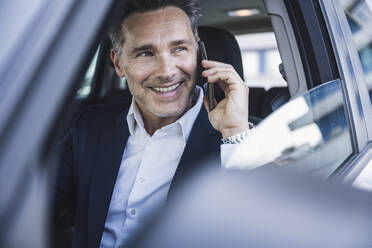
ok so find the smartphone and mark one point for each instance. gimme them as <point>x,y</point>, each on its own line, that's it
<point>208,87</point>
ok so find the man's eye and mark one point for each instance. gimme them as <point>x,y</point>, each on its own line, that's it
<point>144,54</point>
<point>180,49</point>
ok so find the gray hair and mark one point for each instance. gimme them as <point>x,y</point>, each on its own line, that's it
<point>190,7</point>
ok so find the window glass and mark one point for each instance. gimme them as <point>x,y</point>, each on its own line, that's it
<point>261,60</point>
<point>309,133</point>
<point>86,86</point>
<point>359,17</point>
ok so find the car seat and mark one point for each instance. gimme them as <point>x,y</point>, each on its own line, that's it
<point>222,46</point>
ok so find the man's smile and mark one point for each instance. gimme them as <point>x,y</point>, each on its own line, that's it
<point>167,88</point>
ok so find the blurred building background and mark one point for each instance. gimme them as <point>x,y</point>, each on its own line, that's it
<point>261,60</point>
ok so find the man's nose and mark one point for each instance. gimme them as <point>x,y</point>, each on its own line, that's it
<point>166,66</point>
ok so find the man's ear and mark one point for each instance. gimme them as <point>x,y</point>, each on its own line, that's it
<point>115,58</point>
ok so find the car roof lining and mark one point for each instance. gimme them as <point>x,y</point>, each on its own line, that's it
<point>215,15</point>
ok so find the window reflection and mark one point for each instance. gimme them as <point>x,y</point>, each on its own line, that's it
<point>309,133</point>
<point>359,17</point>
<point>86,86</point>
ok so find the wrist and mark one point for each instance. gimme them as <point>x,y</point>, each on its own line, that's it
<point>228,132</point>
<point>238,138</point>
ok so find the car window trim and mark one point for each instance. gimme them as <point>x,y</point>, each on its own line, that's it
<point>287,46</point>
<point>313,41</point>
<point>349,171</point>
<point>352,76</point>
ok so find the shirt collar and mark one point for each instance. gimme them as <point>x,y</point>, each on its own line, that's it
<point>134,118</point>
<point>186,122</point>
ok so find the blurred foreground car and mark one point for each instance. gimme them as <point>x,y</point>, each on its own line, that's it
<point>321,120</point>
<point>269,207</point>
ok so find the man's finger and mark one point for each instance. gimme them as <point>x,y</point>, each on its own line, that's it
<point>210,63</point>
<point>227,77</point>
<point>214,70</point>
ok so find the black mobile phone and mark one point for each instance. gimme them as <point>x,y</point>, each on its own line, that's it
<point>208,87</point>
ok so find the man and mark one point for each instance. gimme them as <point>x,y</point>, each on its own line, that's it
<point>118,164</point>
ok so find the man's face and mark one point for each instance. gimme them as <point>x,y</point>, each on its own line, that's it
<point>159,61</point>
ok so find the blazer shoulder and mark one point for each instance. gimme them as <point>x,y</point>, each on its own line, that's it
<point>101,114</point>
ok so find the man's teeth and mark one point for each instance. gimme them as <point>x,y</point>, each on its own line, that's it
<point>166,89</point>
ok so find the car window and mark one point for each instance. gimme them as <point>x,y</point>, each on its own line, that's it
<point>309,133</point>
<point>359,16</point>
<point>261,65</point>
<point>261,60</point>
<point>86,86</point>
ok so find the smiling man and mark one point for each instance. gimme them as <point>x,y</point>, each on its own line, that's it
<point>119,165</point>
<point>159,59</point>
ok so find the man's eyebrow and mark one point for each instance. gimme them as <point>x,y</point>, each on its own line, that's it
<point>142,48</point>
<point>151,47</point>
<point>180,42</point>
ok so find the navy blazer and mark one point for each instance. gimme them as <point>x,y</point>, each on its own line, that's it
<point>89,160</point>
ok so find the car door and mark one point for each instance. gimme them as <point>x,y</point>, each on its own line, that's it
<point>47,56</point>
<point>349,27</point>
<point>316,51</point>
<point>43,60</point>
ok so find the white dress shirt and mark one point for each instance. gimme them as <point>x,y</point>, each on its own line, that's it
<point>146,171</point>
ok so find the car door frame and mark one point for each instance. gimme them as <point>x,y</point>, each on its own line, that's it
<point>314,42</point>
<point>43,71</point>
<point>355,89</point>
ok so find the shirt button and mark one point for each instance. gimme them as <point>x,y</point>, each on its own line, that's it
<point>141,180</point>
<point>133,212</point>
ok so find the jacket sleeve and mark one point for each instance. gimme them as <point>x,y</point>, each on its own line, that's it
<point>65,182</point>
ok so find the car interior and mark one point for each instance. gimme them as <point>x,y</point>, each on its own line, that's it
<point>218,29</point>
<point>223,28</point>
<point>47,76</point>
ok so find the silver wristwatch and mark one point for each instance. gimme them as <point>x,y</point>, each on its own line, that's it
<point>238,138</point>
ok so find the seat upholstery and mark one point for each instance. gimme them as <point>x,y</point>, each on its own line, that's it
<point>222,46</point>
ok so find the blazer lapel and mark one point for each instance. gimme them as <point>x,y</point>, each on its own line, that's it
<point>107,164</point>
<point>202,149</point>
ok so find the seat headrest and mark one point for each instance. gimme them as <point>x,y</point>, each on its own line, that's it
<point>222,46</point>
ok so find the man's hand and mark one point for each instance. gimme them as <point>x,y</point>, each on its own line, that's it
<point>230,116</point>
